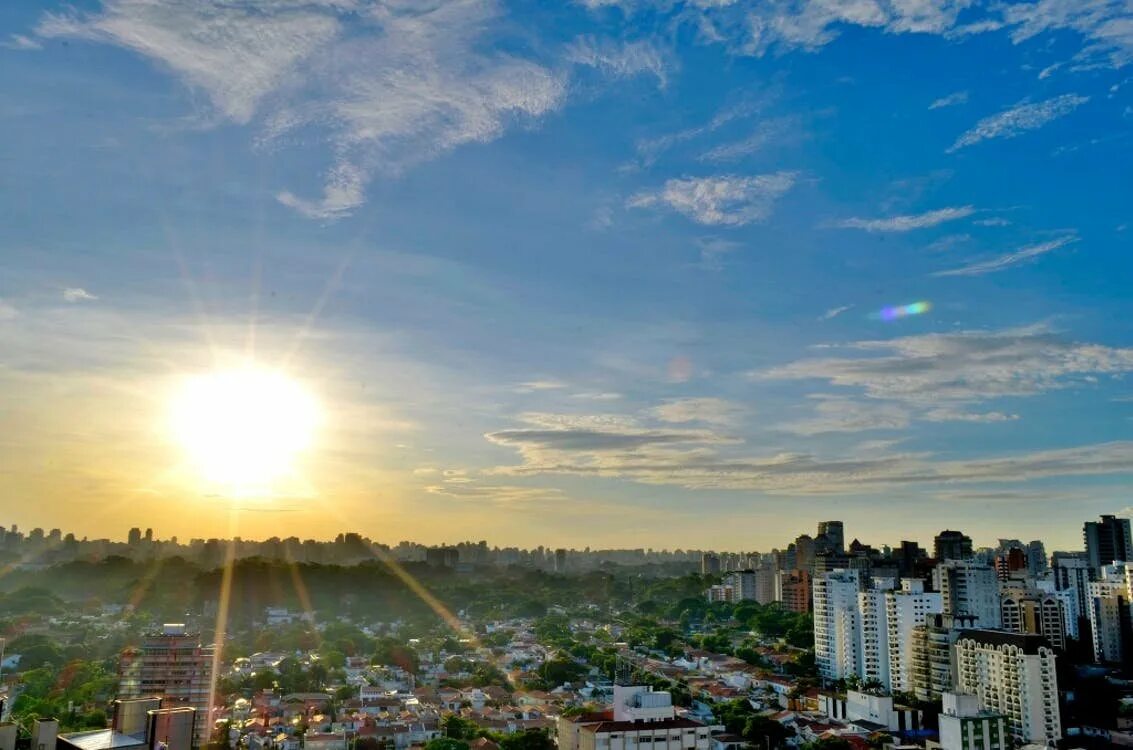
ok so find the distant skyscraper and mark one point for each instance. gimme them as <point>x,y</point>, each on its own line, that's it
<point>1013,675</point>
<point>560,560</point>
<point>1108,541</point>
<point>951,545</point>
<point>804,553</point>
<point>134,537</point>
<point>835,535</point>
<point>442,557</point>
<point>709,564</point>
<point>174,666</point>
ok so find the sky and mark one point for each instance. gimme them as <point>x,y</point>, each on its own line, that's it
<point>605,273</point>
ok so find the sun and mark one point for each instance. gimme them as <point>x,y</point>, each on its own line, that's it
<point>242,430</point>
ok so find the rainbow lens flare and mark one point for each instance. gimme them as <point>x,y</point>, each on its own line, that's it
<point>903,311</point>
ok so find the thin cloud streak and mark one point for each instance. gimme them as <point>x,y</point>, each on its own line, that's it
<point>1003,262</point>
<point>910,222</point>
<point>1019,119</point>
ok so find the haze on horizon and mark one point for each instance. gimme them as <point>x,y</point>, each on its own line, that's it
<point>613,273</point>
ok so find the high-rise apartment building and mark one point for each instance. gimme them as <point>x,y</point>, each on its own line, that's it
<point>1070,574</point>
<point>1107,541</point>
<point>869,632</point>
<point>1012,674</point>
<point>174,666</point>
<point>933,668</point>
<point>1037,613</point>
<point>837,650</point>
<point>969,589</point>
<point>951,545</point>
<point>792,590</point>
<point>906,609</point>
<point>1111,613</point>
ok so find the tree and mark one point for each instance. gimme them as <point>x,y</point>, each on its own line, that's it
<point>531,739</point>
<point>458,728</point>
<point>764,732</point>
<point>446,743</point>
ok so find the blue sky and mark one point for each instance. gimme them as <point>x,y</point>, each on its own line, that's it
<point>595,273</point>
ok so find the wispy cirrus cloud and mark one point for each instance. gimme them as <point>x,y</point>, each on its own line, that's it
<point>727,200</point>
<point>953,99</point>
<point>909,222</point>
<point>496,494</point>
<point>932,370</point>
<point>763,135</point>
<point>1003,262</point>
<point>620,59</point>
<point>20,41</point>
<point>408,83</point>
<point>834,312</point>
<point>1019,119</point>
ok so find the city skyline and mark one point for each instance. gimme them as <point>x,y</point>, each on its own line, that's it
<point>953,543</point>
<point>610,273</point>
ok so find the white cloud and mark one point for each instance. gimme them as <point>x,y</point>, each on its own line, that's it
<point>622,60</point>
<point>410,82</point>
<point>1106,26</point>
<point>909,222</point>
<point>958,97</point>
<point>1003,262</point>
<point>702,460</point>
<point>1019,119</point>
<point>727,200</point>
<point>834,414</point>
<point>994,221</point>
<point>236,53</point>
<point>715,411</point>
<point>834,312</point>
<point>19,41</point>
<point>7,310</point>
<point>77,294</point>
<point>933,370</point>
<point>956,415</point>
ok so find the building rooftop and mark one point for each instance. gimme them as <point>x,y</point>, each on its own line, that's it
<point>1028,643</point>
<point>634,726</point>
<point>101,739</point>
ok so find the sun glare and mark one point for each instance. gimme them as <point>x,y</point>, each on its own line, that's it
<point>243,429</point>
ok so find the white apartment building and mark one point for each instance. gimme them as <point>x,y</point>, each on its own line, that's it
<point>906,609</point>
<point>1110,601</point>
<point>966,726</point>
<point>869,633</point>
<point>641,719</point>
<point>1013,674</point>
<point>969,588</point>
<point>837,644</point>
